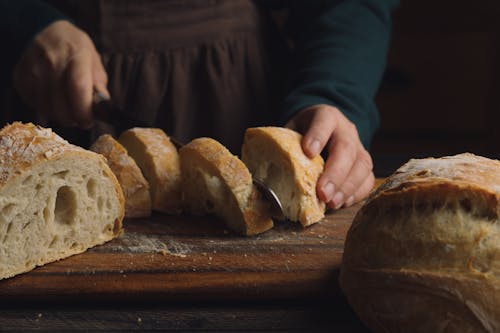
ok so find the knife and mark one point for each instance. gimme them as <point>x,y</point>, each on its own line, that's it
<point>105,109</point>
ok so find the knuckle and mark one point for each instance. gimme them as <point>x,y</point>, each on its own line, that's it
<point>366,160</point>
<point>345,148</point>
<point>349,187</point>
<point>77,83</point>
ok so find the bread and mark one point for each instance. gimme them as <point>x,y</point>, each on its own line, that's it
<point>158,159</point>
<point>56,199</point>
<point>215,181</point>
<point>423,253</point>
<point>135,187</point>
<point>274,155</point>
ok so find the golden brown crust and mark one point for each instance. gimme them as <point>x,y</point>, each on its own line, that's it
<point>428,238</point>
<point>227,186</point>
<point>24,145</point>
<point>158,159</point>
<point>265,148</point>
<point>135,187</point>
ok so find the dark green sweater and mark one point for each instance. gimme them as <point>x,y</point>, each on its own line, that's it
<point>338,59</point>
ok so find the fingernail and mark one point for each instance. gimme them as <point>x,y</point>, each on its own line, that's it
<point>315,147</point>
<point>328,190</point>
<point>350,201</point>
<point>338,200</point>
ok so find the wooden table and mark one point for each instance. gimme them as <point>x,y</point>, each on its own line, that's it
<point>191,273</point>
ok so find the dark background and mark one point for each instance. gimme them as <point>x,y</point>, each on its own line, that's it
<point>440,94</point>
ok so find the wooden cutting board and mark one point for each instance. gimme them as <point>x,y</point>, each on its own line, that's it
<point>195,258</point>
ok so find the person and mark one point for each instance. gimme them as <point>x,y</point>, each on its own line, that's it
<point>209,68</point>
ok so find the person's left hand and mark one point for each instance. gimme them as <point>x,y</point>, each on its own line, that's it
<point>347,177</point>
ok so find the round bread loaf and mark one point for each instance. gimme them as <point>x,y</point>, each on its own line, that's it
<point>423,253</point>
<point>56,199</point>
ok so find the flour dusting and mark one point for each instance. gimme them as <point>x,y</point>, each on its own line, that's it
<point>138,243</point>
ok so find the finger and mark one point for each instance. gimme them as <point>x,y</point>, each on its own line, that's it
<point>362,191</point>
<point>79,89</point>
<point>361,168</point>
<point>338,165</point>
<point>99,75</point>
<point>322,125</point>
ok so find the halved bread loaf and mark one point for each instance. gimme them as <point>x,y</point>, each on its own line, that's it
<point>56,199</point>
<point>158,159</point>
<point>274,155</point>
<point>135,187</point>
<point>215,181</point>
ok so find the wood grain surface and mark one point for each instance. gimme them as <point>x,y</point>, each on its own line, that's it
<point>195,258</point>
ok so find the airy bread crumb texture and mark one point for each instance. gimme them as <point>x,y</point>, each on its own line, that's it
<point>56,199</point>
<point>274,155</point>
<point>423,253</point>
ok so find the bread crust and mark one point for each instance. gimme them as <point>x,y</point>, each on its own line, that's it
<point>26,152</point>
<point>135,187</point>
<point>158,159</point>
<point>268,148</point>
<point>231,193</point>
<point>423,253</point>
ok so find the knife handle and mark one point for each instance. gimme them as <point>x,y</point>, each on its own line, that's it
<point>102,107</point>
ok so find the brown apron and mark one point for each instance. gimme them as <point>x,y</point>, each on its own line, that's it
<point>191,67</point>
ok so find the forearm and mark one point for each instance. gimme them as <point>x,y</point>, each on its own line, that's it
<point>339,58</point>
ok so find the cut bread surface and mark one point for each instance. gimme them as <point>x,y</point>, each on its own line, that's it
<point>56,199</point>
<point>274,155</point>
<point>217,182</point>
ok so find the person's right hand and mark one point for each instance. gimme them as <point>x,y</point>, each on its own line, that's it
<point>57,74</point>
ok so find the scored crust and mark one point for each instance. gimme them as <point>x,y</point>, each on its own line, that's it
<point>274,155</point>
<point>56,199</point>
<point>423,253</point>
<point>135,187</point>
<point>158,159</point>
<point>215,181</point>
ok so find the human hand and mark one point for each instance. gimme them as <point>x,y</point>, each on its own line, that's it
<point>347,177</point>
<point>57,74</point>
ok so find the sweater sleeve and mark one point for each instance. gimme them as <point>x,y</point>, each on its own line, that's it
<point>20,21</point>
<point>339,58</point>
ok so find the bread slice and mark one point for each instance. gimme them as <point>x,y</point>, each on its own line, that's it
<point>423,253</point>
<point>135,187</point>
<point>274,155</point>
<point>56,199</point>
<point>215,181</point>
<point>158,159</point>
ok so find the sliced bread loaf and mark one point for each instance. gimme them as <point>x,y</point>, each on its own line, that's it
<point>158,159</point>
<point>215,181</point>
<point>135,187</point>
<point>56,199</point>
<point>274,155</point>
